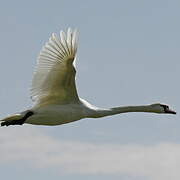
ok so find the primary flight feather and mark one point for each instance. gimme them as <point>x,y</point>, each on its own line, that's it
<point>54,90</point>
<point>54,76</point>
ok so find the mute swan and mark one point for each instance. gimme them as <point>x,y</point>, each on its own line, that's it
<point>54,90</point>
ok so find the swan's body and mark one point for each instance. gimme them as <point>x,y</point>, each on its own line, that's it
<point>54,90</point>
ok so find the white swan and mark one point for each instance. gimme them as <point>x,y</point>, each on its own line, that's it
<point>54,90</point>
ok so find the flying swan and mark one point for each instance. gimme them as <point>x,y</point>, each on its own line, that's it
<point>54,90</point>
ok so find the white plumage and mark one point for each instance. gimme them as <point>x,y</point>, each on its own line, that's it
<point>54,76</point>
<point>54,89</point>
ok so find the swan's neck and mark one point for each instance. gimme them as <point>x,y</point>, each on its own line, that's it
<point>117,110</point>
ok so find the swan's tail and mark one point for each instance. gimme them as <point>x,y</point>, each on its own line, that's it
<point>11,120</point>
<point>16,119</point>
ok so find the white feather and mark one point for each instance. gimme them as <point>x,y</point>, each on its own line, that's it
<point>54,70</point>
<point>54,90</point>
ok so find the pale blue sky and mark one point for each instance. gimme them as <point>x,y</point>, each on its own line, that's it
<point>128,54</point>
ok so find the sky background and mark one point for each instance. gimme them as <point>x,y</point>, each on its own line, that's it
<point>128,54</point>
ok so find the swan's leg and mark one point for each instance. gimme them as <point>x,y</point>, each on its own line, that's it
<point>17,121</point>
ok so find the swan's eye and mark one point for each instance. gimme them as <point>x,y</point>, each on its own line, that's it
<point>165,107</point>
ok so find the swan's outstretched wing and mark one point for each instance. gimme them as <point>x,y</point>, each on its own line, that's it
<point>54,76</point>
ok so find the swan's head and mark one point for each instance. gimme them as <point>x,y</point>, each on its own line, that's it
<point>162,108</point>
